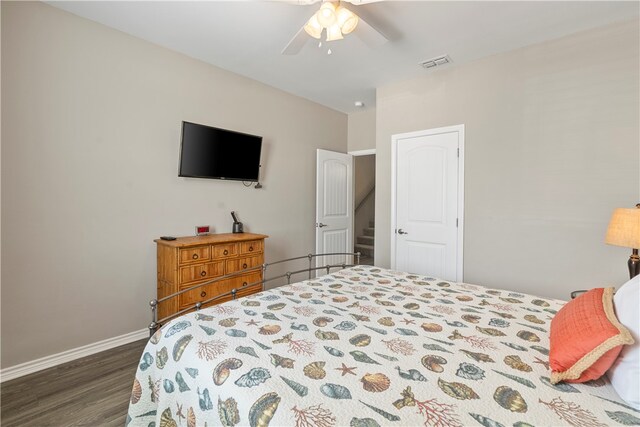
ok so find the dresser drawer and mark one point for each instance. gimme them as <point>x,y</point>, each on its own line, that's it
<point>247,280</point>
<point>227,250</point>
<point>248,290</point>
<point>242,263</point>
<point>190,298</point>
<point>197,254</point>
<point>210,270</point>
<point>251,247</point>
<point>242,292</point>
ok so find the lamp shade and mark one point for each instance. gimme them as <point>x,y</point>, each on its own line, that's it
<point>334,33</point>
<point>347,20</point>
<point>624,228</point>
<point>327,14</point>
<point>313,27</point>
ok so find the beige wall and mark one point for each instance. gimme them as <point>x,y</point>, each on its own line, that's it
<point>90,140</point>
<point>551,149</point>
<point>362,130</point>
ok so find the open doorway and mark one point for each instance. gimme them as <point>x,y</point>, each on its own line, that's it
<point>364,173</point>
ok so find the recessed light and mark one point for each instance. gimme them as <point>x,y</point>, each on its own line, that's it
<point>359,104</point>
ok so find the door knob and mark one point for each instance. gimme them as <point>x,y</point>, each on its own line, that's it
<point>320,225</point>
<point>401,231</point>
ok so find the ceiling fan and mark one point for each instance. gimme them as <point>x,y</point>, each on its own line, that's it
<point>334,21</point>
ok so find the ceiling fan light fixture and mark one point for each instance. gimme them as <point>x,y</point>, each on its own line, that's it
<point>334,33</point>
<point>313,27</point>
<point>327,14</point>
<point>347,20</point>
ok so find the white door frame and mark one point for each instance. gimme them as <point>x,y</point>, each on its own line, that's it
<point>395,139</point>
<point>362,152</point>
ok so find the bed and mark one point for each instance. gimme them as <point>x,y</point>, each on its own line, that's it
<point>365,346</point>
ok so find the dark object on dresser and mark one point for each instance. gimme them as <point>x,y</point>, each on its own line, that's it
<point>237,225</point>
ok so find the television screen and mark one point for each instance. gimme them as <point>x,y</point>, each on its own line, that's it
<point>209,152</point>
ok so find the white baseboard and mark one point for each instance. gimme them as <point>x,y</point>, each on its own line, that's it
<point>27,368</point>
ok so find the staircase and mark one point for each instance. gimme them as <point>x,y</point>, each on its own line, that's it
<point>364,244</point>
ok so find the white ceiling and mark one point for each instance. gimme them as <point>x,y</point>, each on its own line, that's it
<point>247,37</point>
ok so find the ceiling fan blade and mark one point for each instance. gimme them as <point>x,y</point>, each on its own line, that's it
<point>371,36</point>
<point>296,43</point>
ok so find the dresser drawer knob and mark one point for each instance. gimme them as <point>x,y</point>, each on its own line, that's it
<point>244,283</point>
<point>203,294</point>
<point>203,273</point>
<point>244,265</point>
<point>194,256</point>
<point>226,252</point>
<point>250,248</point>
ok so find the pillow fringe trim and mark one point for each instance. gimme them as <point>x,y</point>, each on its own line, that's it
<point>623,337</point>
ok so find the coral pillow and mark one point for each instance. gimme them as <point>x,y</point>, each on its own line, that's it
<point>586,337</point>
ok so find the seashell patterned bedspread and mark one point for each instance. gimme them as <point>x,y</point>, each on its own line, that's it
<point>365,347</point>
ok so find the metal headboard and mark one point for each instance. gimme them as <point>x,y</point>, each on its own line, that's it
<point>156,323</point>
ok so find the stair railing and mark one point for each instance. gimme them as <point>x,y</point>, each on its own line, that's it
<point>364,199</point>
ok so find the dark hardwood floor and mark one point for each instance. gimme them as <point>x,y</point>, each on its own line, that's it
<point>92,391</point>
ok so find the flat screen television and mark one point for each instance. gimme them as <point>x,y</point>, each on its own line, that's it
<point>208,152</point>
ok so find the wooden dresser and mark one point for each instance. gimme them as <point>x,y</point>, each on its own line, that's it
<point>187,261</point>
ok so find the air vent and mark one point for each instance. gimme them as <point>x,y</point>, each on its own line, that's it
<point>436,62</point>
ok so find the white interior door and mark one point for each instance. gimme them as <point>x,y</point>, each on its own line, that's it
<point>334,205</point>
<point>427,207</point>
